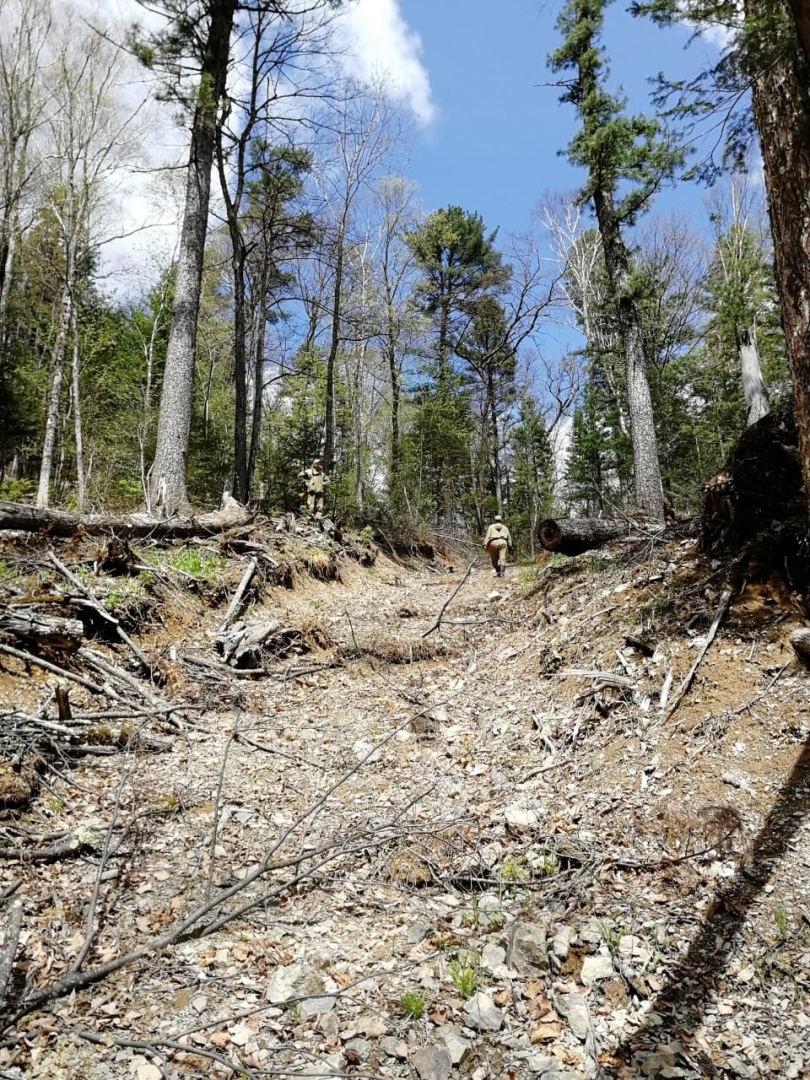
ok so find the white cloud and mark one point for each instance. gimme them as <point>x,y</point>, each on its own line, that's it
<point>378,40</point>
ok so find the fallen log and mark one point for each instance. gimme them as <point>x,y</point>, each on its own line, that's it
<point>573,536</point>
<point>800,640</point>
<point>19,517</point>
<point>10,946</point>
<point>99,609</point>
<point>30,626</point>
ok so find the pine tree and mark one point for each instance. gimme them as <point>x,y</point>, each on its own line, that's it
<point>626,158</point>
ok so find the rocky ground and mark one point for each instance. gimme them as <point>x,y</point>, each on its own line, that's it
<point>483,837</point>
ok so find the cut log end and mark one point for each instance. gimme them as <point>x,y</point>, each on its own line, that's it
<point>800,640</point>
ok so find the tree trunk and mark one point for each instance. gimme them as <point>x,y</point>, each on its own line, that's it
<point>168,492</point>
<point>331,359</point>
<point>576,535</point>
<point>782,116</point>
<point>55,633</point>
<point>801,16</point>
<point>649,490</point>
<point>756,400</point>
<point>57,377</point>
<point>81,483</point>
<point>241,489</point>
<point>258,373</point>
<point>394,482</point>
<point>496,457</point>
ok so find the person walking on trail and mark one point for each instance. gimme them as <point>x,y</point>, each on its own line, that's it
<point>315,480</point>
<point>496,543</point>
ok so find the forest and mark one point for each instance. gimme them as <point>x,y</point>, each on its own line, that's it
<point>289,791</point>
<point>604,363</point>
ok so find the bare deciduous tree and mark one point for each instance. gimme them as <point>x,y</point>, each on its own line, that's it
<point>89,136</point>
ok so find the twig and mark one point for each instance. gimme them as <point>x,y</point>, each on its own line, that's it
<point>234,605</point>
<point>298,758</point>
<point>607,678</point>
<point>29,658</point>
<point>447,603</point>
<point>761,694</point>
<point>660,864</point>
<point>10,947</point>
<point>10,889</point>
<point>112,671</point>
<point>354,639</point>
<point>90,927</point>
<point>192,921</point>
<point>239,1068</point>
<point>212,853</point>
<point>75,844</point>
<point>100,609</point>
<point>687,682</point>
<point>37,721</point>
<point>391,548</point>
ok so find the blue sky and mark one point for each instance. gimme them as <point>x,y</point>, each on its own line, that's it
<point>492,145</point>
<point>486,131</point>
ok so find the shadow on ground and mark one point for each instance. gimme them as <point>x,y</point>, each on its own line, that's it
<point>681,1003</point>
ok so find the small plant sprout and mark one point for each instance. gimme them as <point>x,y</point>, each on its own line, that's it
<point>464,974</point>
<point>515,870</point>
<point>550,863</point>
<point>610,935</point>
<point>412,1003</point>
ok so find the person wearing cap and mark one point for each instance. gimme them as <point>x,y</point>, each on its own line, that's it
<point>315,480</point>
<point>496,543</point>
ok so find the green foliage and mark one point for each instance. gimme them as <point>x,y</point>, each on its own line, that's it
<point>611,935</point>
<point>781,920</point>
<point>464,973</point>
<point>532,474</point>
<point>461,275</point>
<point>516,870</point>
<point>412,1004</point>
<point>193,561</point>
<point>762,34</point>
<point>293,430</point>
<point>626,156</point>
<point>458,263</point>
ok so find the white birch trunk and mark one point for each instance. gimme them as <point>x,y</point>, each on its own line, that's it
<point>55,396</point>
<point>81,482</point>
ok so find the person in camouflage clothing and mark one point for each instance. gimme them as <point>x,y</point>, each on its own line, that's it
<point>497,543</point>
<point>315,480</point>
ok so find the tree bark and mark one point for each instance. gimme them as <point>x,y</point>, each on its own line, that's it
<point>782,116</point>
<point>55,397</point>
<point>573,536</point>
<point>801,16</point>
<point>81,479</point>
<point>260,320</point>
<point>23,518</point>
<point>334,343</point>
<point>30,626</point>
<point>649,490</point>
<point>168,491</point>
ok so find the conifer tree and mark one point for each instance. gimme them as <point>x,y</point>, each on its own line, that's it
<point>459,266</point>
<point>768,55</point>
<point>626,158</point>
